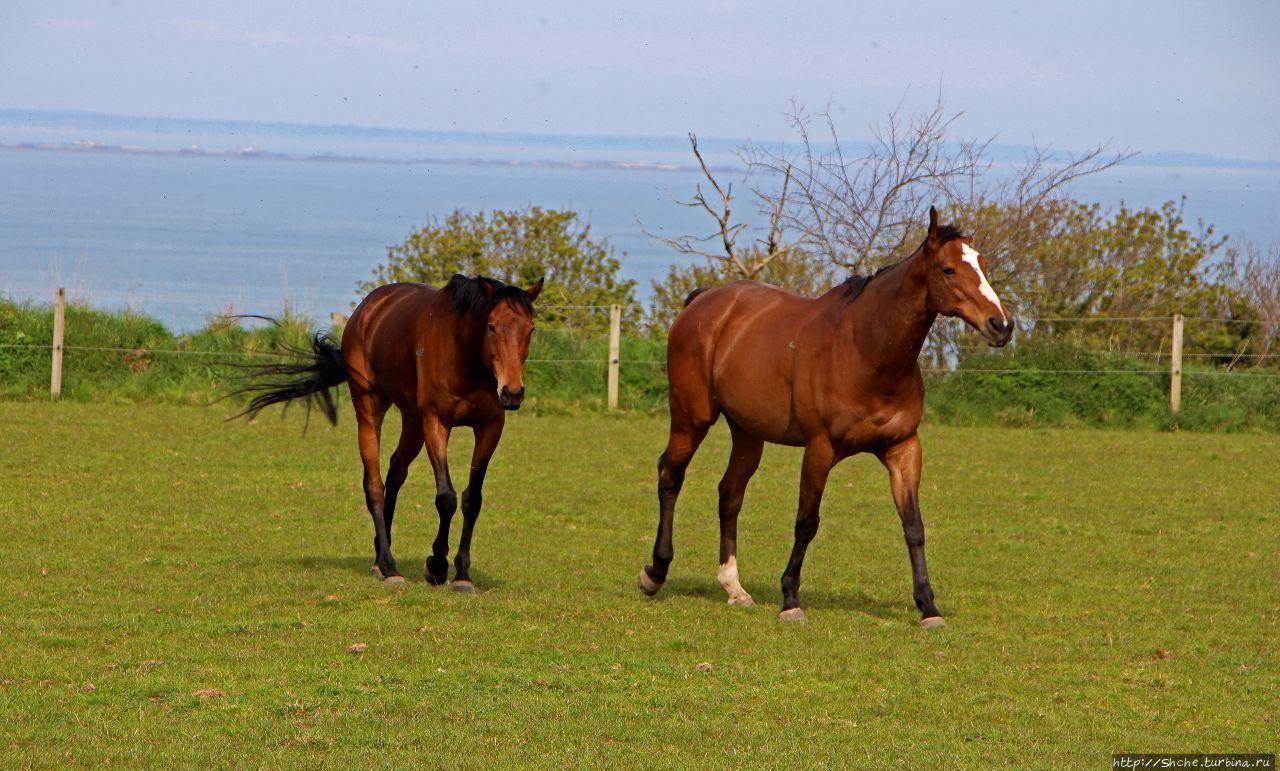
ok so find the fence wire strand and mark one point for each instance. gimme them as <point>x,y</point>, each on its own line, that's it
<point>636,311</point>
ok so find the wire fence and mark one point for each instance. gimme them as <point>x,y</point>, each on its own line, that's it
<point>584,357</point>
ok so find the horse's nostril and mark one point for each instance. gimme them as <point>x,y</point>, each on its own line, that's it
<point>1000,326</point>
<point>509,397</point>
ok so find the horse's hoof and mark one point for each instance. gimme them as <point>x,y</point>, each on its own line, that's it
<point>743,601</point>
<point>463,587</point>
<point>376,571</point>
<point>435,579</point>
<point>933,622</point>
<point>393,580</point>
<point>647,584</point>
<point>792,614</point>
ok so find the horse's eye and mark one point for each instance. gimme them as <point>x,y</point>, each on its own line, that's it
<point>948,271</point>
<point>492,328</point>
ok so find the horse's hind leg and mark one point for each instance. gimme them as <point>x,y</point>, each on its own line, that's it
<point>683,442</point>
<point>743,462</point>
<point>370,410</point>
<point>398,471</point>
<point>814,469</point>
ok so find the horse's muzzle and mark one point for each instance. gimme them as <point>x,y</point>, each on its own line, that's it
<point>510,400</point>
<point>998,332</point>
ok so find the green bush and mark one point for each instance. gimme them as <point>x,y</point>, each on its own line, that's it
<point>1054,383</point>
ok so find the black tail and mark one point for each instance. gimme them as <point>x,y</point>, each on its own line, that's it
<point>693,295</point>
<point>320,369</point>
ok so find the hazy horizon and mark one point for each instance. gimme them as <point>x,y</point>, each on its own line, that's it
<point>1183,77</point>
<point>669,142</point>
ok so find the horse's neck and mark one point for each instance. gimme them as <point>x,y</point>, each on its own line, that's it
<point>464,333</point>
<point>468,339</point>
<point>890,322</point>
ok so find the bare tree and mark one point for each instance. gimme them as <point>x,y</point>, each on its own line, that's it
<point>748,263</point>
<point>860,206</point>
<point>864,209</point>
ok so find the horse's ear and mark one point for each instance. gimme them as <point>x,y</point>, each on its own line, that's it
<point>535,289</point>
<point>486,288</point>
<point>933,224</point>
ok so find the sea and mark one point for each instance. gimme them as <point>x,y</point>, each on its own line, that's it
<point>183,219</point>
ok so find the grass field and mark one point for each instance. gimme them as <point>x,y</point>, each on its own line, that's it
<point>179,591</point>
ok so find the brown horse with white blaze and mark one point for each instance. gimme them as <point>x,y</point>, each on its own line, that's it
<point>837,375</point>
<point>446,357</point>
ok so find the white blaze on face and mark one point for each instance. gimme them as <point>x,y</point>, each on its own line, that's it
<point>970,256</point>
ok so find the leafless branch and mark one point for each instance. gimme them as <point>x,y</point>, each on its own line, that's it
<point>859,209</point>
<point>749,264</point>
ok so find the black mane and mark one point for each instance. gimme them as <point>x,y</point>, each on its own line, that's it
<point>949,233</point>
<point>854,284</point>
<point>468,297</point>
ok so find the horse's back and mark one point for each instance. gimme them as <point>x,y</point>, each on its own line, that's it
<point>381,337</point>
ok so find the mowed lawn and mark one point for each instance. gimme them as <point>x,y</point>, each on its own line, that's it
<point>176,590</point>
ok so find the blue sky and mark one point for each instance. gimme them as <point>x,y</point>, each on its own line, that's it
<point>1166,76</point>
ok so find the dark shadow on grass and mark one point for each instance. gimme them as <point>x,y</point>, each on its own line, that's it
<point>815,599</point>
<point>691,587</point>
<point>411,569</point>
<point>853,599</point>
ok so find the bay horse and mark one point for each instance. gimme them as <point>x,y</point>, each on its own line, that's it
<point>837,375</point>
<point>446,357</point>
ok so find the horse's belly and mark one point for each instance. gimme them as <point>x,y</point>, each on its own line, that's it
<point>761,411</point>
<point>770,425</point>
<point>883,428</point>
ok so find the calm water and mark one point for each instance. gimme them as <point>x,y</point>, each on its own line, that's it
<point>182,237</point>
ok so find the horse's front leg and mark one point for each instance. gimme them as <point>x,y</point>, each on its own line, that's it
<point>436,434</point>
<point>903,461</point>
<point>818,459</point>
<point>487,436</point>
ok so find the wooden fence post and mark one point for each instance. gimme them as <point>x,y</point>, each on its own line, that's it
<point>615,335</point>
<point>59,331</point>
<point>1175,366</point>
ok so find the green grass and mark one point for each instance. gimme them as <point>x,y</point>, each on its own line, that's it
<point>1106,591</point>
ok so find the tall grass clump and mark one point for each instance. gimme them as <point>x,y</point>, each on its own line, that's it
<point>126,355</point>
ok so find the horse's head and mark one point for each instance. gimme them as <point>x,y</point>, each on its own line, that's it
<point>508,330</point>
<point>958,283</point>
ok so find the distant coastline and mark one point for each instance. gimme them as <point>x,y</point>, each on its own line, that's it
<point>255,153</point>
<point>74,131</point>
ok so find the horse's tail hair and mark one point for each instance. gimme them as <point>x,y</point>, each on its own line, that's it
<point>693,295</point>
<point>310,378</point>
